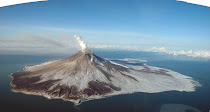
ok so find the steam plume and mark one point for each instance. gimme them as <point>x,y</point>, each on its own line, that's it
<point>82,44</point>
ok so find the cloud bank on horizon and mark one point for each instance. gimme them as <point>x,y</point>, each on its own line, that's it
<point>65,44</point>
<point>190,53</point>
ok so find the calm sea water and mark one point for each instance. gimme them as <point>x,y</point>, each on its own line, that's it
<point>199,69</point>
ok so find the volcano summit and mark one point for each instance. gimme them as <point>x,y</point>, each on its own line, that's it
<point>85,76</point>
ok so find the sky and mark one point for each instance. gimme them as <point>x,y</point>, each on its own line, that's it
<point>147,25</point>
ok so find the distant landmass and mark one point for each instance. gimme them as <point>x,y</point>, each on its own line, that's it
<point>85,76</point>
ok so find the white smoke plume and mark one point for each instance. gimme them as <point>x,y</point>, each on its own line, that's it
<point>82,44</point>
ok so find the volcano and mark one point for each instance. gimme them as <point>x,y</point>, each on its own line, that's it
<point>85,76</point>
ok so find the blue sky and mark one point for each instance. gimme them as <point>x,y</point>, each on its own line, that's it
<point>126,24</point>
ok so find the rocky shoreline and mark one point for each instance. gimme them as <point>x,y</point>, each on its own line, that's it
<point>85,76</point>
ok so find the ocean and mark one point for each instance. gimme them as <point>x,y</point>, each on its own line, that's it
<point>198,69</point>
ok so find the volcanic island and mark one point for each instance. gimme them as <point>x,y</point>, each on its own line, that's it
<point>85,76</point>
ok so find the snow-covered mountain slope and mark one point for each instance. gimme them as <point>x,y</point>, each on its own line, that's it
<point>85,76</point>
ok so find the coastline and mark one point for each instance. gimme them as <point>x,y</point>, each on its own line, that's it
<point>79,101</point>
<point>35,93</point>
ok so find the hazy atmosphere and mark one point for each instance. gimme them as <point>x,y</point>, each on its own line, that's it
<point>48,27</point>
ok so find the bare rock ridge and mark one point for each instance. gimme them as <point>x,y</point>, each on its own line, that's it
<point>85,76</point>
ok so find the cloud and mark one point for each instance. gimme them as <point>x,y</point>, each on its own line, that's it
<point>43,43</point>
<point>65,44</point>
<point>43,40</point>
<point>191,53</point>
<point>31,39</point>
<point>156,49</point>
<point>104,46</point>
<point>130,60</point>
<point>51,40</point>
<point>113,39</point>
